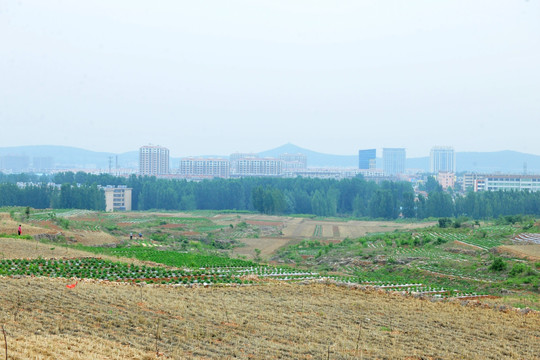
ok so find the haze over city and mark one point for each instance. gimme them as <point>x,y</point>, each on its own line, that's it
<point>220,77</point>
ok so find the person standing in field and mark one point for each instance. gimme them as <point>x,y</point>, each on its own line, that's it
<point>19,231</point>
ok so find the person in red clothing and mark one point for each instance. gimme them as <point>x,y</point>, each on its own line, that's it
<point>19,231</point>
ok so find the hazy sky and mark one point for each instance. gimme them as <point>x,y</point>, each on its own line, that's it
<point>217,77</point>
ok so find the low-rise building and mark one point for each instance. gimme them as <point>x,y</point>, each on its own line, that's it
<point>117,198</point>
<point>512,182</point>
<point>446,179</point>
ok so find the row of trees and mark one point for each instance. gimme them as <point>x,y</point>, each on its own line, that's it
<point>67,196</point>
<point>350,197</point>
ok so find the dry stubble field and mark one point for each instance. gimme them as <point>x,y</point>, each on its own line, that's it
<point>45,320</point>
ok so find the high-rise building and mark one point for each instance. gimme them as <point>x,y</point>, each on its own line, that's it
<point>14,163</point>
<point>42,163</point>
<point>367,159</point>
<point>153,160</point>
<point>442,158</point>
<point>393,161</point>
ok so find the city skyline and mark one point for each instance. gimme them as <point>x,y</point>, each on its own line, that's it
<point>218,78</point>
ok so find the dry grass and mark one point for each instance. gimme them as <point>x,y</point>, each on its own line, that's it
<point>9,226</point>
<point>93,238</point>
<point>30,249</point>
<point>529,251</point>
<point>84,237</point>
<point>45,320</point>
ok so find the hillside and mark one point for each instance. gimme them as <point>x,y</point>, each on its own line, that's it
<point>72,157</point>
<point>44,319</point>
<point>48,314</point>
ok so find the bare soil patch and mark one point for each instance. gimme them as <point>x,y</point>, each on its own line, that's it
<point>305,228</point>
<point>530,251</point>
<point>92,238</point>
<point>267,246</point>
<point>296,229</point>
<point>264,223</point>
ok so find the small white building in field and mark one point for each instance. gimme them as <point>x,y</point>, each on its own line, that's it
<point>117,198</point>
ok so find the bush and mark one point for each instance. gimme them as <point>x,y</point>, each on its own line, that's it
<point>64,223</point>
<point>440,241</point>
<point>159,237</point>
<point>445,222</point>
<point>522,270</point>
<point>498,265</point>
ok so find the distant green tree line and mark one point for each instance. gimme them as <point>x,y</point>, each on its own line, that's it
<point>68,196</point>
<point>323,197</point>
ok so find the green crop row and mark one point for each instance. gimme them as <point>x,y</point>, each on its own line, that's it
<point>171,258</point>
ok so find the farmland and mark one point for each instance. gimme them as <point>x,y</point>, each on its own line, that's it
<point>181,290</point>
<point>104,320</point>
<point>451,258</point>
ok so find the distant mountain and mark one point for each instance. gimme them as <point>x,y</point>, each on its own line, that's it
<point>500,161</point>
<point>72,158</point>
<point>314,159</point>
<point>487,162</point>
<point>63,157</point>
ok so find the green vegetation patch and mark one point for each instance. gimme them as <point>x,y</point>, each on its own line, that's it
<point>169,257</point>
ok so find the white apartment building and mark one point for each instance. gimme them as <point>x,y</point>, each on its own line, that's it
<point>496,182</point>
<point>257,167</point>
<point>512,182</point>
<point>201,167</point>
<point>117,198</point>
<point>153,160</point>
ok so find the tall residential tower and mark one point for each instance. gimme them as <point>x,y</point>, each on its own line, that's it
<point>153,160</point>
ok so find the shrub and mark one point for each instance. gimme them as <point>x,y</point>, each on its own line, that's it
<point>445,222</point>
<point>440,241</point>
<point>518,269</point>
<point>159,237</point>
<point>498,265</point>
